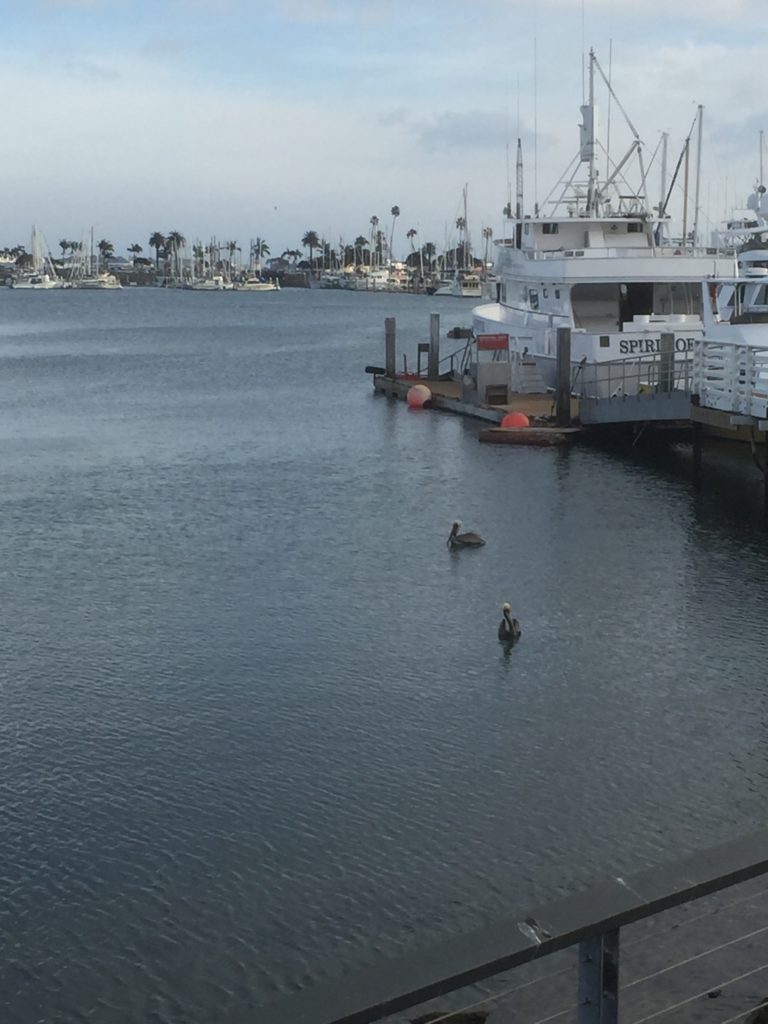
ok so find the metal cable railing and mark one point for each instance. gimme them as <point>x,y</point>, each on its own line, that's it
<point>591,921</point>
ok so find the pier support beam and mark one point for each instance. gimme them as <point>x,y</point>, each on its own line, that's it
<point>563,389</point>
<point>389,348</point>
<point>598,999</point>
<point>433,357</point>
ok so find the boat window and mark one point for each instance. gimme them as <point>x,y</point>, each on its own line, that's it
<point>557,293</point>
<point>605,341</point>
<point>550,229</point>
<point>633,226</point>
<point>533,298</point>
<point>527,228</point>
<point>544,292</point>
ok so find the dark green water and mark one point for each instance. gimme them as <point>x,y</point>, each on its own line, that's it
<point>256,729</point>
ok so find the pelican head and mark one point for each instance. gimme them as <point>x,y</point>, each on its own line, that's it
<point>506,607</point>
<point>455,526</point>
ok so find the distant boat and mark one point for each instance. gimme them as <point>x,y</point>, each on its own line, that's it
<point>255,284</point>
<point>38,282</point>
<point>209,284</point>
<point>101,282</point>
<point>41,275</point>
<point>463,286</point>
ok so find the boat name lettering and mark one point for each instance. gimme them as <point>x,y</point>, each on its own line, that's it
<point>643,346</point>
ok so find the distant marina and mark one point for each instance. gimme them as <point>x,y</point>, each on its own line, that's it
<point>368,264</point>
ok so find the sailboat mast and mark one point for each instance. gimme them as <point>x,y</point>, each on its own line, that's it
<point>760,183</point>
<point>519,195</point>
<point>698,179</point>
<point>685,190</point>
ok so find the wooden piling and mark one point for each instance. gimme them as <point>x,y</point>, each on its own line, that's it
<point>433,358</point>
<point>389,347</point>
<point>563,390</point>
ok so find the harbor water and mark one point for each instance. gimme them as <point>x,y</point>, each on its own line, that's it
<point>257,730</point>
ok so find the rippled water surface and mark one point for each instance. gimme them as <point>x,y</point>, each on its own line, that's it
<point>255,726</point>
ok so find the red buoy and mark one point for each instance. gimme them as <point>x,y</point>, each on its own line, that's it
<point>515,419</point>
<point>418,396</point>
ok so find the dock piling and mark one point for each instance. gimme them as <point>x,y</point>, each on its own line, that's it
<point>433,358</point>
<point>389,347</point>
<point>563,390</point>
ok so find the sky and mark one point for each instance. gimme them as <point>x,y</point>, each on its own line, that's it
<point>270,118</point>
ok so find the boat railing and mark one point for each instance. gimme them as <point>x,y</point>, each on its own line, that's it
<point>453,363</point>
<point>680,956</point>
<point>611,252</point>
<point>731,378</point>
<point>655,373</point>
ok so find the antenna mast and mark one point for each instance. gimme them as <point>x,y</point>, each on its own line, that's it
<point>588,145</point>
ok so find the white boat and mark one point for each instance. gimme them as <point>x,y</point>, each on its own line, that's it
<point>101,282</point>
<point>600,264</point>
<point>255,284</point>
<point>462,286</point>
<point>37,282</point>
<point>41,274</point>
<point>731,364</point>
<point>216,283</point>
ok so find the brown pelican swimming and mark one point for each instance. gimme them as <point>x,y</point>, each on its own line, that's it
<point>509,628</point>
<point>463,540</point>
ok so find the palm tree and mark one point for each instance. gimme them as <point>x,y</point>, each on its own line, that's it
<point>487,236</point>
<point>259,249</point>
<point>174,243</point>
<point>64,243</point>
<point>374,225</point>
<point>461,224</point>
<point>157,242</point>
<point>361,242</point>
<point>105,248</point>
<point>410,235</point>
<point>395,211</point>
<point>311,242</point>
<point>428,250</point>
<point>135,249</point>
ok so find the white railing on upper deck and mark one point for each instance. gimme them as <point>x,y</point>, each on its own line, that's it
<point>732,378</point>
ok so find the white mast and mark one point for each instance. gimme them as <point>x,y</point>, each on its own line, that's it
<point>698,180</point>
<point>519,195</point>
<point>588,136</point>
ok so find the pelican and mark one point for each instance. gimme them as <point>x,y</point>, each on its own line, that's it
<point>509,628</point>
<point>463,540</point>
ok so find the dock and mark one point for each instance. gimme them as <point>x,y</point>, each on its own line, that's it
<point>720,390</point>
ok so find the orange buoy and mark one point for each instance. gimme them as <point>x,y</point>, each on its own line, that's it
<point>515,419</point>
<point>418,396</point>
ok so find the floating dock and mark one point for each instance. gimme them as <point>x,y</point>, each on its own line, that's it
<point>542,436</point>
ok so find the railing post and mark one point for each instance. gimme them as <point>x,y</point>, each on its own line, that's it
<point>598,993</point>
<point>433,356</point>
<point>590,981</point>
<point>610,1013</point>
<point>389,347</point>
